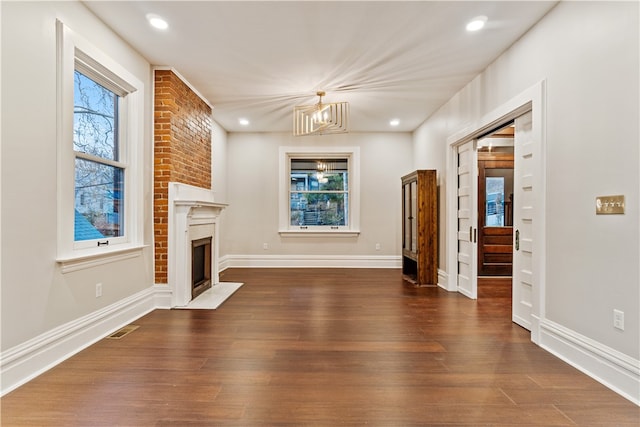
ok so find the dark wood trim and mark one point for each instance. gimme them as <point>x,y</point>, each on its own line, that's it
<point>487,156</point>
<point>495,253</point>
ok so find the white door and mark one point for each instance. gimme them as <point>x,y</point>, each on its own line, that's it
<point>467,222</point>
<point>523,217</point>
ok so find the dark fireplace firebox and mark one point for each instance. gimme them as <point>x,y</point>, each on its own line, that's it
<point>200,266</point>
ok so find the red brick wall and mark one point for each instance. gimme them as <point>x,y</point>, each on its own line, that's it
<point>182,152</point>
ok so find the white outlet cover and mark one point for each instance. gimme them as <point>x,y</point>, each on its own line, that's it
<point>618,319</point>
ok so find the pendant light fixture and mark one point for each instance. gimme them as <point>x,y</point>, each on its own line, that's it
<point>321,118</point>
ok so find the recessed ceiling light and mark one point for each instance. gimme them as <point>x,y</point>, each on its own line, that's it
<point>477,23</point>
<point>394,122</point>
<point>243,122</point>
<point>157,21</point>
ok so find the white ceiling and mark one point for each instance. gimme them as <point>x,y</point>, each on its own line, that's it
<point>257,60</point>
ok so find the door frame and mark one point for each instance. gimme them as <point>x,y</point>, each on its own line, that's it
<point>532,99</point>
<point>472,290</point>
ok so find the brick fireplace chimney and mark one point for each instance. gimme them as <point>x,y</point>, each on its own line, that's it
<point>182,152</point>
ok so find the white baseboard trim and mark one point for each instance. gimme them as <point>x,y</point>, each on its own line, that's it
<point>535,329</point>
<point>22,363</point>
<point>613,369</point>
<point>310,261</point>
<point>443,281</point>
<point>223,263</point>
<point>464,292</point>
<point>163,296</point>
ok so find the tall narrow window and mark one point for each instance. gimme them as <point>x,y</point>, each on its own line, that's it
<point>99,173</point>
<point>100,155</point>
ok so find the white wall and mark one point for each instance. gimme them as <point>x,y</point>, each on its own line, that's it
<point>219,162</point>
<point>588,55</point>
<point>36,296</point>
<point>252,182</point>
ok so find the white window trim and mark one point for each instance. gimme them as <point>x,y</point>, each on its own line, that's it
<point>73,50</point>
<point>286,153</point>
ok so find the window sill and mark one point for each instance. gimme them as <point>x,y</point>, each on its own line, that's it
<point>319,233</point>
<point>89,260</point>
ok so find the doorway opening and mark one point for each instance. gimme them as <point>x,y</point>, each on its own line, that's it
<point>495,213</point>
<point>526,110</point>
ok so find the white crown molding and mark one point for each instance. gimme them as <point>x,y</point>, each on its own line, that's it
<point>185,81</point>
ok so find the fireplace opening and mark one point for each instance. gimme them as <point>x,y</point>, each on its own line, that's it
<point>200,266</point>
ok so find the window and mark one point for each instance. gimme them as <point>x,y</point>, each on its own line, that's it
<point>100,143</point>
<point>498,197</point>
<point>99,173</point>
<point>319,191</point>
<point>494,203</point>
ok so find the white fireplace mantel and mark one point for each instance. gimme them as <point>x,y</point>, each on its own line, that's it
<point>193,214</point>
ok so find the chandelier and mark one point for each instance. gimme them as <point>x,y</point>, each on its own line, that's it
<point>323,168</point>
<point>320,119</point>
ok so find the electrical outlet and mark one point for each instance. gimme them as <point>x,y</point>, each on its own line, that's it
<point>98,290</point>
<point>265,246</point>
<point>377,246</point>
<point>618,319</point>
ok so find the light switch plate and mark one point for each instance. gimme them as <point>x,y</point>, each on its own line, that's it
<point>607,205</point>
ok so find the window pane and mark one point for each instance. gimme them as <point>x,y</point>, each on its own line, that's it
<point>99,198</point>
<point>319,175</point>
<point>494,202</point>
<point>319,192</point>
<point>329,209</point>
<point>95,114</point>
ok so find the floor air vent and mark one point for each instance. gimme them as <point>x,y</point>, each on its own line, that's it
<point>120,333</point>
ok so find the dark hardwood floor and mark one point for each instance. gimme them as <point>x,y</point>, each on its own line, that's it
<point>322,347</point>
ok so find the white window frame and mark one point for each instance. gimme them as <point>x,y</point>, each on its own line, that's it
<point>76,53</point>
<point>353,224</point>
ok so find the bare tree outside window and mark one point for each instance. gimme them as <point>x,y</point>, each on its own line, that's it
<point>99,177</point>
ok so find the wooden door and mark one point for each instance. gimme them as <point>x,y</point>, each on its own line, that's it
<point>467,213</point>
<point>495,213</point>
<point>522,298</point>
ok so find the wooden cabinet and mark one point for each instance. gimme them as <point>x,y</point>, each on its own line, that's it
<point>420,228</point>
